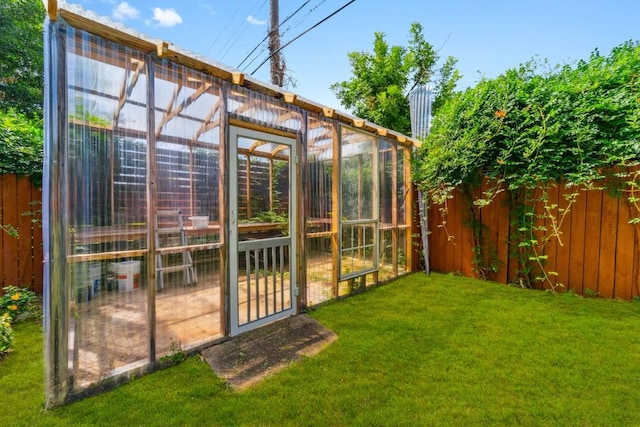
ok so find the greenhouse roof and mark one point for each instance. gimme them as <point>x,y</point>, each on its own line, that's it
<point>108,29</point>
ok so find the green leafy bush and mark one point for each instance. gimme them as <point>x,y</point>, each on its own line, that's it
<point>21,145</point>
<point>17,302</point>
<point>14,305</point>
<point>528,127</point>
<point>6,333</point>
<point>534,127</point>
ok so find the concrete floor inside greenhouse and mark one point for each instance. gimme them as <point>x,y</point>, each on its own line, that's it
<point>110,331</point>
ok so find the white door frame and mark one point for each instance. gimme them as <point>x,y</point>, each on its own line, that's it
<point>236,246</point>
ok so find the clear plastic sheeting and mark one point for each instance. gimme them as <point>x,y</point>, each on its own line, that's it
<point>319,205</point>
<point>139,203</point>
<point>181,208</point>
<point>359,202</point>
<point>388,207</point>
<point>403,243</point>
<point>106,205</point>
<point>263,110</point>
<point>187,216</point>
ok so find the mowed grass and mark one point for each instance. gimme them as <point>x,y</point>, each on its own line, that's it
<point>441,350</point>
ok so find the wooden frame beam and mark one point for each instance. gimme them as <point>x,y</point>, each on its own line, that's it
<point>52,10</point>
<point>328,112</point>
<point>162,48</point>
<point>237,78</point>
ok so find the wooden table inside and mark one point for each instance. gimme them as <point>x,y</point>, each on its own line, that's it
<point>126,233</point>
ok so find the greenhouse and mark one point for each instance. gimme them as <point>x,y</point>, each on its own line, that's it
<point>186,203</point>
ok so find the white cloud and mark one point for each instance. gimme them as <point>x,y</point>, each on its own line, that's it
<point>166,17</point>
<point>124,11</point>
<point>254,21</point>
<point>209,9</point>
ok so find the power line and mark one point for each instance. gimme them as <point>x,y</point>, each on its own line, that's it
<point>304,18</point>
<point>239,31</point>
<point>302,34</point>
<point>267,36</point>
<point>223,30</point>
<point>291,26</point>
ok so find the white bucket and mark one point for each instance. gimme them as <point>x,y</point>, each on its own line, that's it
<point>127,274</point>
<point>88,280</point>
<point>199,222</point>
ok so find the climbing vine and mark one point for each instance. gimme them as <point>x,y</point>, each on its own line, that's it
<point>529,130</point>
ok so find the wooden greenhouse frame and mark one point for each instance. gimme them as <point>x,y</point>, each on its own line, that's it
<point>185,203</point>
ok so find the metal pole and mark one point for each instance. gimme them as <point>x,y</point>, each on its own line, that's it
<point>420,107</point>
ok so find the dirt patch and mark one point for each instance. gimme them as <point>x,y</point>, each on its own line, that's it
<point>252,356</point>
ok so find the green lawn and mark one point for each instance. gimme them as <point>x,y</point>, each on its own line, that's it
<point>442,350</point>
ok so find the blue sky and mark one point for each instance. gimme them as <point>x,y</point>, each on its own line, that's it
<point>486,37</point>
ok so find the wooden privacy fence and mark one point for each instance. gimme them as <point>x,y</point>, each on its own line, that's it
<point>20,208</point>
<point>598,251</point>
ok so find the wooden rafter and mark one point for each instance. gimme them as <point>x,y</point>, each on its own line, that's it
<point>174,96</point>
<point>245,106</point>
<point>288,115</point>
<point>184,104</point>
<point>267,156</point>
<point>127,88</point>
<point>207,124</point>
<point>278,149</point>
<point>257,144</point>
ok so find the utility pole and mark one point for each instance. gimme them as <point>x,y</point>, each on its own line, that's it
<point>277,63</point>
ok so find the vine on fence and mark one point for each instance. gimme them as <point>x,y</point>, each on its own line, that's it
<point>530,129</point>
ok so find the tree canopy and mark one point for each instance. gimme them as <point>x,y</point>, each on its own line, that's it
<point>21,87</point>
<point>382,79</point>
<point>21,141</point>
<point>21,56</point>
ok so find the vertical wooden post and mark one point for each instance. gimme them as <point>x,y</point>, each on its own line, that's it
<point>54,220</point>
<point>336,207</point>
<point>223,200</point>
<point>301,214</point>
<point>52,10</point>
<point>248,187</point>
<point>152,195</point>
<point>271,188</point>
<point>360,203</point>
<point>394,207</point>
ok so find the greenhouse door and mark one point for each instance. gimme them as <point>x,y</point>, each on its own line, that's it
<point>262,228</point>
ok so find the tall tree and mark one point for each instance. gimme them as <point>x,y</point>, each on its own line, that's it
<point>382,79</point>
<point>21,56</point>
